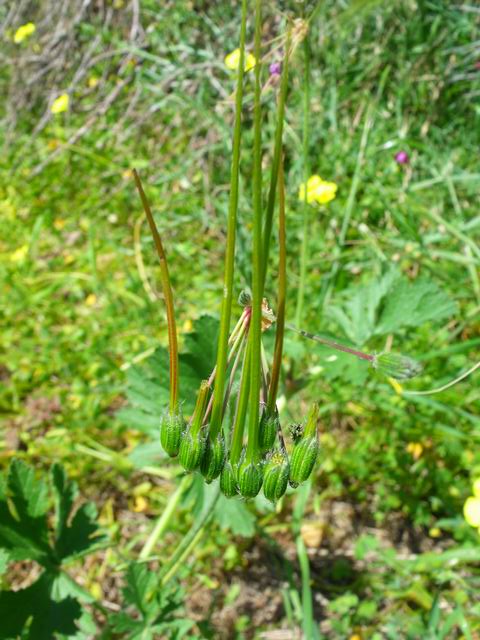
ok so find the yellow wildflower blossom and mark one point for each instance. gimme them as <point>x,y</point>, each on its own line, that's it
<point>60,104</point>
<point>232,60</point>
<point>471,511</point>
<point>415,449</point>
<point>476,488</point>
<point>318,190</point>
<point>91,300</point>
<point>19,254</point>
<point>24,32</point>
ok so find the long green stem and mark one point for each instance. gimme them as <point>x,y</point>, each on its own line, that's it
<point>241,409</point>
<point>307,602</point>
<point>164,520</point>
<point>190,539</point>
<point>255,327</point>
<point>199,411</point>
<point>282,292</point>
<point>216,420</point>
<point>333,345</point>
<point>168,295</point>
<point>277,150</point>
<point>304,251</point>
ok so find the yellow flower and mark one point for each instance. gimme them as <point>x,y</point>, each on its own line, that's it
<point>91,300</point>
<point>19,254</point>
<point>24,32</point>
<point>476,488</point>
<point>60,104</point>
<point>232,60</point>
<point>415,449</point>
<point>471,511</point>
<point>318,190</point>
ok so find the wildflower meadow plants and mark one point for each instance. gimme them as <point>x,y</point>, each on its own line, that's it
<point>234,432</point>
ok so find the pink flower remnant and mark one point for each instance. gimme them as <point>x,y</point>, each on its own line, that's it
<point>402,157</point>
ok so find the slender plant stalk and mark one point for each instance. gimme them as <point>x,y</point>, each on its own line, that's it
<point>255,327</point>
<point>307,604</point>
<point>199,411</point>
<point>333,345</point>
<point>432,392</point>
<point>164,520</point>
<point>168,295</point>
<point>304,251</point>
<point>233,371</point>
<point>217,410</point>
<point>282,291</point>
<point>241,409</point>
<point>276,162</point>
<point>190,539</point>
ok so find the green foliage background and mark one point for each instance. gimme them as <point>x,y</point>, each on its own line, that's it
<point>83,335</point>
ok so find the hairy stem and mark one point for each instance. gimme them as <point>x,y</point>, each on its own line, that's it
<point>241,409</point>
<point>216,420</point>
<point>282,291</point>
<point>333,345</point>
<point>256,328</point>
<point>276,162</point>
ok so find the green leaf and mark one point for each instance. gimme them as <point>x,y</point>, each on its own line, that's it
<point>47,616</point>
<point>233,515</point>
<point>149,609</point>
<point>388,304</point>
<point>4,560</point>
<point>24,530</point>
<point>148,384</point>
<point>81,536</point>
<point>411,304</point>
<point>23,521</point>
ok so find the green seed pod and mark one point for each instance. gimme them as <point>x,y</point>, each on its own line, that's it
<point>192,448</point>
<point>249,479</point>
<point>275,477</point>
<point>302,460</point>
<point>172,427</point>
<point>394,365</point>
<point>228,483</point>
<point>268,429</point>
<point>213,459</point>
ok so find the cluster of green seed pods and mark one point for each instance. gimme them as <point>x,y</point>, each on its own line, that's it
<point>272,468</point>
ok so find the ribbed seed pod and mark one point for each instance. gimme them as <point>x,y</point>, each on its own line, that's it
<point>228,483</point>
<point>302,460</point>
<point>275,477</point>
<point>268,429</point>
<point>213,459</point>
<point>249,479</point>
<point>192,448</point>
<point>172,427</point>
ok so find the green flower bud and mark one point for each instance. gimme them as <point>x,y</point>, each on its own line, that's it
<point>245,298</point>
<point>268,429</point>
<point>275,477</point>
<point>394,365</point>
<point>192,448</point>
<point>228,482</point>
<point>172,427</point>
<point>302,460</point>
<point>213,459</point>
<point>296,431</point>
<point>249,479</point>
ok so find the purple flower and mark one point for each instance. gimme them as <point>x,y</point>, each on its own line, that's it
<point>275,68</point>
<point>402,157</point>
